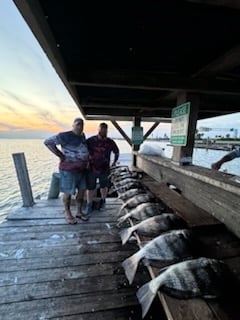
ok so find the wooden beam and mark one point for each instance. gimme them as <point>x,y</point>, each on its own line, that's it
<point>155,82</point>
<point>125,136</point>
<point>227,61</point>
<point>234,4</point>
<point>153,127</point>
<point>36,20</point>
<point>127,118</point>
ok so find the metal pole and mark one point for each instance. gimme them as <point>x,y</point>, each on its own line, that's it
<point>135,147</point>
<point>23,179</point>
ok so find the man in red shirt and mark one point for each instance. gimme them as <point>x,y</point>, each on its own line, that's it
<point>100,148</point>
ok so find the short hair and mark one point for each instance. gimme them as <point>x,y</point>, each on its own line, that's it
<point>76,120</point>
<point>104,125</point>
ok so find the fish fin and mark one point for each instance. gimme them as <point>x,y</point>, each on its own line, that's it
<point>145,297</point>
<point>130,267</point>
<point>125,234</point>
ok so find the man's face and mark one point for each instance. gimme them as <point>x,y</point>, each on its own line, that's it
<point>78,127</point>
<point>102,131</point>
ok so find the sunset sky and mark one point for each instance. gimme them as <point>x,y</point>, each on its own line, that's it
<point>33,101</point>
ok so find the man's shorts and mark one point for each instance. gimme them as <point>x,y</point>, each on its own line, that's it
<point>70,181</point>
<point>92,180</point>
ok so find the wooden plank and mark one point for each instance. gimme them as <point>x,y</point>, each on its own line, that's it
<point>67,305</point>
<point>51,209</point>
<point>69,272</point>
<point>54,262</point>
<point>211,191</point>
<point>59,251</point>
<point>66,287</point>
<point>80,234</point>
<point>54,214</point>
<point>81,227</point>
<point>193,215</point>
<point>216,242</point>
<point>126,313</point>
<point>93,222</point>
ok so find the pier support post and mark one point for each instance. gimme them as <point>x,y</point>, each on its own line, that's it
<point>23,179</point>
<point>180,153</point>
<point>135,147</point>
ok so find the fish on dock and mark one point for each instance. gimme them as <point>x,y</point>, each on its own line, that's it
<point>169,247</point>
<point>130,185</point>
<point>131,193</point>
<point>125,181</point>
<point>153,226</point>
<point>201,277</point>
<point>142,212</point>
<point>134,201</point>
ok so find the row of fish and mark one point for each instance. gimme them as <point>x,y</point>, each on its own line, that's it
<point>186,276</point>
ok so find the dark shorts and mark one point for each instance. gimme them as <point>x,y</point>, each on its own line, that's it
<point>92,180</point>
<point>70,182</point>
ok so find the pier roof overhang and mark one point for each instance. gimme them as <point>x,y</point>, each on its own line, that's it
<point>132,58</point>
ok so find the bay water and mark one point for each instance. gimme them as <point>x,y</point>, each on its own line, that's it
<point>41,164</point>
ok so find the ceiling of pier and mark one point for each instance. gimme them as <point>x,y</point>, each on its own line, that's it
<point>132,58</point>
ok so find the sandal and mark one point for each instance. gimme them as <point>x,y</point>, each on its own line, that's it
<point>82,216</point>
<point>70,220</point>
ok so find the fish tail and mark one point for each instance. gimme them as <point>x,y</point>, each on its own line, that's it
<point>145,297</point>
<point>121,209</point>
<point>121,220</point>
<point>125,234</point>
<point>130,267</point>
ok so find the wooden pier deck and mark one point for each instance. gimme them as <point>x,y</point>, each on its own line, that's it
<point>51,270</point>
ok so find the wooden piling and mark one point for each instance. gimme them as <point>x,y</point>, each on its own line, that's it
<point>23,179</point>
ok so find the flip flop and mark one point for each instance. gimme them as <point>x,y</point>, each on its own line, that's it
<point>70,220</point>
<point>83,217</point>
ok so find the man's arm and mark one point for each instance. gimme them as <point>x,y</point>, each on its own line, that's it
<point>51,144</point>
<point>228,157</point>
<point>217,165</point>
<point>116,154</point>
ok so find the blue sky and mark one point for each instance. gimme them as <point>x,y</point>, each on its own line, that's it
<point>34,102</point>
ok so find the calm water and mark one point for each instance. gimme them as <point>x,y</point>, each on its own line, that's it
<point>42,163</point>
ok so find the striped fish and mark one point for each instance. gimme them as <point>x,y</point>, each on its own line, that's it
<point>131,193</point>
<point>169,247</point>
<point>136,200</point>
<point>153,226</point>
<point>202,277</point>
<point>142,212</point>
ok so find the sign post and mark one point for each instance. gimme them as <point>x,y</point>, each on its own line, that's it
<point>137,135</point>
<point>180,119</point>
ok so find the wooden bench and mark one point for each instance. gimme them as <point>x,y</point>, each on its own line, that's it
<point>215,241</point>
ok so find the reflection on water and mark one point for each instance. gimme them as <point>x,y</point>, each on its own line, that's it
<point>42,163</point>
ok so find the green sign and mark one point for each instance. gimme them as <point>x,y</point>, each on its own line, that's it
<point>180,118</point>
<point>137,135</point>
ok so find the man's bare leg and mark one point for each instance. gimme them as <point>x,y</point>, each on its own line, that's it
<point>79,200</point>
<point>104,192</point>
<point>67,203</point>
<point>89,194</point>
